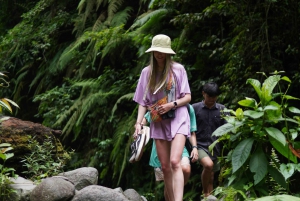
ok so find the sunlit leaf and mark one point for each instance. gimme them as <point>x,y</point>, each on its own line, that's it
<point>256,85</point>
<point>248,102</point>
<point>288,97</point>
<point>294,110</point>
<point>285,78</point>
<point>253,114</point>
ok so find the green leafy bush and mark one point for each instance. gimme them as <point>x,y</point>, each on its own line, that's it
<point>5,172</point>
<point>251,134</point>
<point>42,162</point>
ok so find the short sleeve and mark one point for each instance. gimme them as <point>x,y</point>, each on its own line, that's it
<point>140,92</point>
<point>183,86</point>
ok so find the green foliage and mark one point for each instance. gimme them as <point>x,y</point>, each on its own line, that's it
<point>99,45</point>
<point>5,102</point>
<point>5,172</point>
<point>278,198</point>
<point>54,102</point>
<point>42,162</point>
<point>266,124</point>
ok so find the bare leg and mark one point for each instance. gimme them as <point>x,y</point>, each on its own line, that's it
<point>186,169</point>
<point>176,153</point>
<point>207,175</point>
<point>166,194</point>
<point>163,148</point>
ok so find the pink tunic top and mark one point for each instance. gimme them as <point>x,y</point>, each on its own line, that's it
<point>167,128</point>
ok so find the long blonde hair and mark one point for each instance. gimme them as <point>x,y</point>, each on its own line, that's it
<point>152,84</point>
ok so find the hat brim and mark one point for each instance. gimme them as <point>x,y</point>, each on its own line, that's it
<point>161,49</point>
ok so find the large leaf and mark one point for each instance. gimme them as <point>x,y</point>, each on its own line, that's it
<point>278,198</point>
<point>287,170</point>
<point>226,128</point>
<point>256,85</point>
<point>248,102</point>
<point>284,150</point>
<point>276,134</point>
<point>253,114</point>
<point>241,153</point>
<point>288,97</point>
<point>277,176</point>
<point>294,110</point>
<point>267,89</point>
<point>258,165</point>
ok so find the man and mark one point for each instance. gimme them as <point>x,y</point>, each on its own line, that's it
<point>208,117</point>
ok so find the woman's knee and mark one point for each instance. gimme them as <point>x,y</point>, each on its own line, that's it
<point>175,164</point>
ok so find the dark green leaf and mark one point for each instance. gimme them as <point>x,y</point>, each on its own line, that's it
<point>241,153</point>
<point>276,134</point>
<point>258,165</point>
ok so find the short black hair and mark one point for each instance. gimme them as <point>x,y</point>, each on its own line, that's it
<point>212,89</point>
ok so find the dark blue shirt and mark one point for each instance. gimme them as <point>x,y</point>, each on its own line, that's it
<point>208,120</point>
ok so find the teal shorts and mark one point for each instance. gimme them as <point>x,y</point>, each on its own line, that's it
<point>185,153</point>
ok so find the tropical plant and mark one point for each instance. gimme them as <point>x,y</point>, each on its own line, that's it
<point>41,162</point>
<point>251,134</point>
<point>5,102</point>
<point>5,172</point>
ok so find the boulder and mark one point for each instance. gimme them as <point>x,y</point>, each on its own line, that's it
<point>99,193</point>
<point>23,188</point>
<point>53,189</point>
<point>18,132</point>
<point>82,177</point>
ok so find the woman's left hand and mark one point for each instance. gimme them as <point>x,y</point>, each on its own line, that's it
<point>162,109</point>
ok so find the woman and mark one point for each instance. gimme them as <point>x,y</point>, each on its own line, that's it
<point>163,86</point>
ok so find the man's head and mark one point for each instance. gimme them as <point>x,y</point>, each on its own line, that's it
<point>210,93</point>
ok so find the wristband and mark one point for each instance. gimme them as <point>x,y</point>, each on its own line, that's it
<point>194,147</point>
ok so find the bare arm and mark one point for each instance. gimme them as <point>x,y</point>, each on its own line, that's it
<point>138,125</point>
<point>180,102</point>
<point>194,152</point>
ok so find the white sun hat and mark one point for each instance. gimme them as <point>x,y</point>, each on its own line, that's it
<point>161,43</point>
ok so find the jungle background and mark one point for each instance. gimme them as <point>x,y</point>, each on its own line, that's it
<point>74,65</point>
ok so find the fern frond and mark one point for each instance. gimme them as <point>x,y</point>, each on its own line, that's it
<point>90,102</point>
<point>113,7</point>
<point>80,6</point>
<point>149,18</point>
<point>98,25</point>
<point>124,97</point>
<point>121,17</point>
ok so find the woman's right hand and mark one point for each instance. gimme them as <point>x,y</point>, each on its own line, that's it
<point>138,128</point>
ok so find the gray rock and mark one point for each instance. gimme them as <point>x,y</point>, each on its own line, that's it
<point>23,188</point>
<point>53,189</point>
<point>131,194</point>
<point>82,177</point>
<point>99,193</point>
